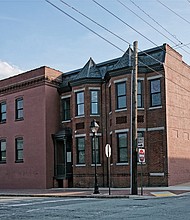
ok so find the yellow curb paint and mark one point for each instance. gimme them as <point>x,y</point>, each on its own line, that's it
<point>163,194</point>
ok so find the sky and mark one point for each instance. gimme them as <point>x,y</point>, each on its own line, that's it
<point>33,33</point>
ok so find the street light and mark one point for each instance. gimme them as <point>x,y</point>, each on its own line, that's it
<point>94,128</point>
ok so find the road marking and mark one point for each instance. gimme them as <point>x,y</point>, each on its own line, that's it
<point>46,202</point>
<point>61,194</point>
<point>163,194</point>
<point>33,210</point>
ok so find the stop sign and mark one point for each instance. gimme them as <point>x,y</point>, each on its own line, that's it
<point>141,155</point>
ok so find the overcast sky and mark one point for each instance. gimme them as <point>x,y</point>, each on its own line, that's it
<point>33,33</point>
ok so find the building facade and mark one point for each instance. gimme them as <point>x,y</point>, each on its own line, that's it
<point>28,102</point>
<point>45,134</point>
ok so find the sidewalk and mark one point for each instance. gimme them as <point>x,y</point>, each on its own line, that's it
<point>148,192</point>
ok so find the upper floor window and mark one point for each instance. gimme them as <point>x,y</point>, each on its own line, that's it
<point>19,109</point>
<point>155,93</point>
<point>94,97</point>
<point>95,150</point>
<point>122,147</point>
<point>2,151</point>
<point>139,94</point>
<point>121,100</point>
<point>80,141</point>
<point>80,103</point>
<point>3,112</point>
<point>19,149</point>
<point>66,109</point>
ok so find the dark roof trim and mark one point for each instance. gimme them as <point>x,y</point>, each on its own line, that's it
<point>85,81</point>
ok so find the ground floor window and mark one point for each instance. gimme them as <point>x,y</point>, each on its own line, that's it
<point>122,147</point>
<point>19,149</point>
<point>80,141</point>
<point>2,151</point>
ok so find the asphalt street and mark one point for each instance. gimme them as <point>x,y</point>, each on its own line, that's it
<point>94,208</point>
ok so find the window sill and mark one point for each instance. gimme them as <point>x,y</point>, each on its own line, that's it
<point>98,165</point>
<point>3,122</point>
<point>156,107</point>
<point>19,119</point>
<point>140,109</point>
<point>122,164</point>
<point>19,161</point>
<point>79,116</point>
<point>3,162</point>
<point>66,121</point>
<point>97,115</point>
<point>120,110</point>
<point>80,165</point>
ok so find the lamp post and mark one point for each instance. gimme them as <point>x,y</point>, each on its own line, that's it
<point>94,128</point>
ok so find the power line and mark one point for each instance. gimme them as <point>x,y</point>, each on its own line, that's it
<point>144,20</point>
<point>124,5</point>
<point>156,22</point>
<point>135,31</point>
<point>111,32</point>
<point>120,48</point>
<point>123,22</point>
<point>173,12</point>
<point>182,45</point>
<point>84,25</point>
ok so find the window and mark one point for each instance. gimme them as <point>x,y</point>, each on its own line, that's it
<point>80,103</point>
<point>95,143</point>
<point>155,93</point>
<point>19,149</point>
<point>121,95</point>
<point>139,94</point>
<point>94,97</point>
<point>19,109</point>
<point>3,109</point>
<point>122,147</point>
<point>66,109</point>
<point>80,150</point>
<point>2,151</point>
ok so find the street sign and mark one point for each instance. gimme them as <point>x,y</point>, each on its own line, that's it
<point>140,142</point>
<point>141,155</point>
<point>108,150</point>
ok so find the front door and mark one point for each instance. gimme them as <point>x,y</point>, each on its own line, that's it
<point>63,162</point>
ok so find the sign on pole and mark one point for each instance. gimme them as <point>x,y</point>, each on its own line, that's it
<point>140,142</point>
<point>141,155</point>
<point>108,150</point>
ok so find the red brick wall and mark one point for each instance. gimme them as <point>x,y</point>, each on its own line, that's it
<point>30,173</point>
<point>83,176</point>
<point>178,120</point>
<point>41,112</point>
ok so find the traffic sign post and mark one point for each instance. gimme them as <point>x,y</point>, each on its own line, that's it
<point>141,156</point>
<point>108,155</point>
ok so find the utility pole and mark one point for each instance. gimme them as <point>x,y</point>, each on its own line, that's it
<point>134,190</point>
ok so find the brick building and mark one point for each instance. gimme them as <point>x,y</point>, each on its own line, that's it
<point>45,134</point>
